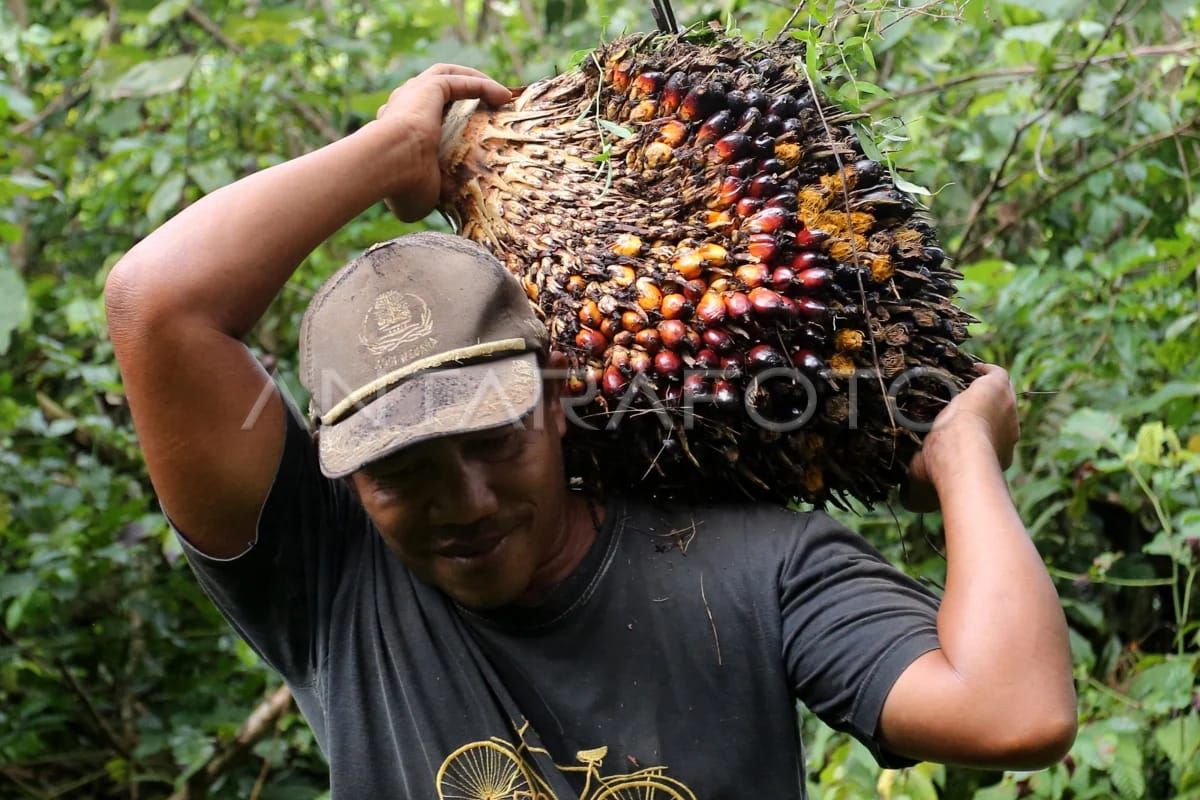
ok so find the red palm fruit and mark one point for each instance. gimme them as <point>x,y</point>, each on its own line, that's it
<point>747,206</point>
<point>729,147</point>
<point>811,308</point>
<point>589,313</point>
<point>657,153</point>
<point>673,132</point>
<point>807,360</point>
<point>782,277</point>
<point>784,200</point>
<point>675,306</point>
<point>618,356</point>
<point>644,111</point>
<point>764,356</point>
<point>633,321</point>
<point>668,364</point>
<point>694,384</point>
<point>718,220</point>
<point>751,122</point>
<point>713,254</point>
<point>772,124</point>
<point>621,274</point>
<point>764,186</point>
<point>695,289</point>
<point>623,339</point>
<point>640,361</point>
<point>711,308</point>
<point>691,340</point>
<point>752,275</point>
<point>756,98</point>
<point>714,128</point>
<point>609,327</point>
<point>746,168</point>
<point>697,103</point>
<point>646,84</point>
<point>621,74</point>
<point>807,260</point>
<point>673,92</point>
<point>648,339</point>
<point>688,264</point>
<point>725,393</point>
<point>613,382</point>
<point>718,340</point>
<point>735,101</point>
<point>707,359</point>
<point>720,285</point>
<point>813,278</point>
<point>732,366</point>
<point>576,285</point>
<point>809,238</point>
<point>627,245</point>
<point>784,106</point>
<point>788,308</point>
<point>672,332</point>
<point>737,305</point>
<point>767,303</point>
<point>649,295</point>
<point>762,246</point>
<point>726,192</point>
<point>769,220</point>
<point>592,341</point>
<point>773,166</point>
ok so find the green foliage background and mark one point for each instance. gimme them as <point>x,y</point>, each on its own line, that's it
<point>1058,144</point>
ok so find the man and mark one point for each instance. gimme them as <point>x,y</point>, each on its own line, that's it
<point>452,620</point>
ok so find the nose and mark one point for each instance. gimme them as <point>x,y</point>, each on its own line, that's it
<point>465,496</point>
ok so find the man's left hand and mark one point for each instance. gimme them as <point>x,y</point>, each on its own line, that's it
<point>988,407</point>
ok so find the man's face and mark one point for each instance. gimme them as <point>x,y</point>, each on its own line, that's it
<point>476,514</point>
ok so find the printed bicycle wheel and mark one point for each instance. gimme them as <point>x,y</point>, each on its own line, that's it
<point>657,788</point>
<point>483,771</point>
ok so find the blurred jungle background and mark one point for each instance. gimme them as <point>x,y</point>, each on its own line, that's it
<point>1055,142</point>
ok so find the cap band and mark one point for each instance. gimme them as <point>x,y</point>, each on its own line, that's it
<point>475,351</point>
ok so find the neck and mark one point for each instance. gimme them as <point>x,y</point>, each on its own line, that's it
<point>575,534</point>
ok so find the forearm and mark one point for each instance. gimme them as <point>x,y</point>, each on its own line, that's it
<point>1001,624</point>
<point>226,256</point>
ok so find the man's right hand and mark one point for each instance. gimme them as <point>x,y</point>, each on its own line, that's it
<point>415,110</point>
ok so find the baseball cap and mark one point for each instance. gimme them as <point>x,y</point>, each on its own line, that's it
<point>422,336</point>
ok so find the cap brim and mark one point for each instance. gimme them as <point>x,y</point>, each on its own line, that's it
<point>438,403</point>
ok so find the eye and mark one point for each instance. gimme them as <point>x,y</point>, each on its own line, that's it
<point>498,445</point>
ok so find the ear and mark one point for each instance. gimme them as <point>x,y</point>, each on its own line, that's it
<point>553,387</point>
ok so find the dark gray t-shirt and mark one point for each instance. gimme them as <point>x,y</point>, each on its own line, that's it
<point>667,666</point>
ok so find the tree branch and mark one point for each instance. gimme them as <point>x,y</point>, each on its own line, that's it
<point>260,723</point>
<point>1049,198</point>
<point>983,198</point>
<point>309,114</point>
<point>1180,48</point>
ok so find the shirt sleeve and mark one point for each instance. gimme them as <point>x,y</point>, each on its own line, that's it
<point>852,623</point>
<point>278,593</point>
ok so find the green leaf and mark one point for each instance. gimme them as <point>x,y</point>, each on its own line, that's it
<point>1042,33</point>
<point>211,175</point>
<point>152,78</point>
<point>1179,738</point>
<point>910,187</point>
<point>166,11</point>
<point>165,198</point>
<point>1126,772</point>
<point>14,306</point>
<point>619,131</point>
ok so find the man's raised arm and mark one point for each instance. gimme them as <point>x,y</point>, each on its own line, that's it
<point>179,302</point>
<point>999,692</point>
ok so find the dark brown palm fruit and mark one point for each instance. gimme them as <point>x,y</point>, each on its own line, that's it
<point>738,231</point>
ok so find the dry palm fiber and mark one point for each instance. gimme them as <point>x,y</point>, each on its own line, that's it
<point>687,215</point>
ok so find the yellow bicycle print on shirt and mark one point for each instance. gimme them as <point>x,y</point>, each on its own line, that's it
<point>496,770</point>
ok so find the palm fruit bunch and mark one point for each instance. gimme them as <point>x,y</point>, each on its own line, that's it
<point>736,285</point>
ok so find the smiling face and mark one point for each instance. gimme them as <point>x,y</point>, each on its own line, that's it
<point>479,514</point>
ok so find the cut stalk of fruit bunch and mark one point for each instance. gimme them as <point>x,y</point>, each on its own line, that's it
<point>738,232</point>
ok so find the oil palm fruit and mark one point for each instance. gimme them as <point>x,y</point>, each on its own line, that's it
<point>683,202</point>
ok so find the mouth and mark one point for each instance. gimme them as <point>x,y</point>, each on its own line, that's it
<point>472,549</point>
